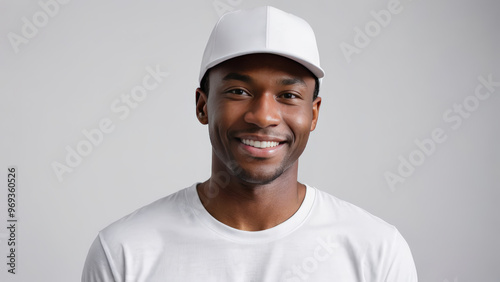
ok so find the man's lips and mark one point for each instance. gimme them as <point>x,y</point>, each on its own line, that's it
<point>260,144</point>
<point>260,141</point>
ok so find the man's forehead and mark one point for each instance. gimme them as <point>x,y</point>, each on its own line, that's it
<point>281,80</point>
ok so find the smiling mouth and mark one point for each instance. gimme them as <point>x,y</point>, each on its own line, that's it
<point>260,144</point>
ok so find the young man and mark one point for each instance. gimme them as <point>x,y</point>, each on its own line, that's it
<point>252,220</point>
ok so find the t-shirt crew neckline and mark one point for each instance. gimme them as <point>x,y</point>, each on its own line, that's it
<point>242,236</point>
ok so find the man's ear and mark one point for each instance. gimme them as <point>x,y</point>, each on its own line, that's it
<point>315,112</point>
<point>201,106</point>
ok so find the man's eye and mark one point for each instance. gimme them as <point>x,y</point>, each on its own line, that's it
<point>238,92</point>
<point>289,96</point>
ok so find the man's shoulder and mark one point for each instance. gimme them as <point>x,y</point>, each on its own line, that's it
<point>378,244</point>
<point>164,210</point>
<point>350,218</point>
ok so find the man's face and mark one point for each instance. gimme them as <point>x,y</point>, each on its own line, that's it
<point>260,111</point>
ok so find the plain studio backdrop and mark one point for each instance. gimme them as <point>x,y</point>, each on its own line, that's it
<point>97,116</point>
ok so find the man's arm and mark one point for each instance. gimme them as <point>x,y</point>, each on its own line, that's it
<point>389,260</point>
<point>399,265</point>
<point>97,267</point>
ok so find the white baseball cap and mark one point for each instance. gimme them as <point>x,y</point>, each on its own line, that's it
<point>262,30</point>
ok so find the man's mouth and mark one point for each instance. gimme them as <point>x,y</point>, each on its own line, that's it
<point>260,144</point>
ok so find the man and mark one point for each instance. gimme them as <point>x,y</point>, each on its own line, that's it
<point>252,220</point>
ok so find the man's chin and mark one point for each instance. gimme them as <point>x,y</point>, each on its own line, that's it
<point>259,177</point>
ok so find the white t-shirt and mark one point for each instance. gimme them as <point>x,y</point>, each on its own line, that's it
<point>176,239</point>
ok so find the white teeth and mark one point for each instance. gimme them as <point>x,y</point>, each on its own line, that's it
<point>260,144</point>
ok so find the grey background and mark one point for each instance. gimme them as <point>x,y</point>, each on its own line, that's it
<point>395,90</point>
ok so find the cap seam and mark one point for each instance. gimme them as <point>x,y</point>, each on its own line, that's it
<point>267,26</point>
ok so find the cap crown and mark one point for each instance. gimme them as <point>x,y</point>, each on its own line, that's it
<point>262,30</point>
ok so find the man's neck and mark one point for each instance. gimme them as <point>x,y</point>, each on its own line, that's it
<point>252,207</point>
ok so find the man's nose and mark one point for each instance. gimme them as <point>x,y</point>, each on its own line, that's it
<point>264,111</point>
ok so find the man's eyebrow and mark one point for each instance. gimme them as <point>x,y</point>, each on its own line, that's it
<point>291,81</point>
<point>237,76</point>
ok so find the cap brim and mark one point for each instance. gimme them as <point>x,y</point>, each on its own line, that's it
<point>316,70</point>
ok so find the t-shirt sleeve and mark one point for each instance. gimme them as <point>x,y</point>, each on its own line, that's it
<point>97,267</point>
<point>399,264</point>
